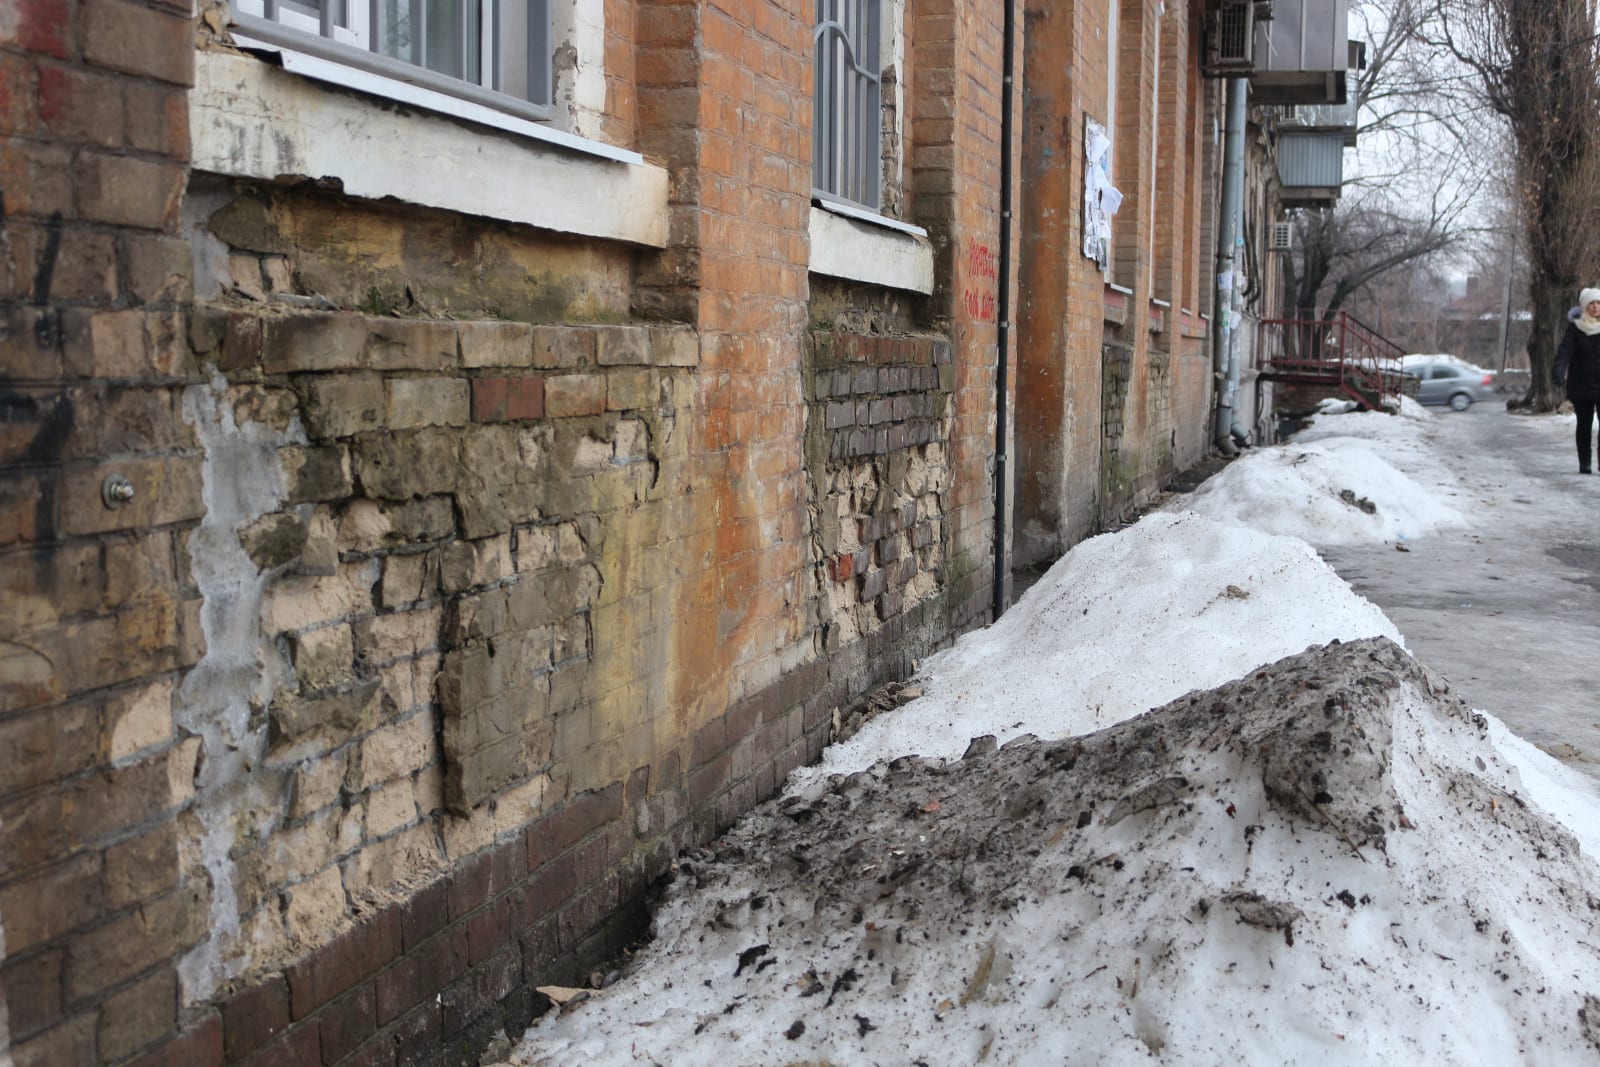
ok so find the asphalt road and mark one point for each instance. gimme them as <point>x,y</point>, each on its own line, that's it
<point>1507,609</point>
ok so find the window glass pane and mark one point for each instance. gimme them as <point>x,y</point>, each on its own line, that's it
<point>311,8</point>
<point>846,150</point>
<point>450,37</point>
<point>512,76</point>
<point>502,45</point>
<point>393,34</point>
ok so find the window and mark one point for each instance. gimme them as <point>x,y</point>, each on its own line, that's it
<point>846,150</point>
<point>494,52</point>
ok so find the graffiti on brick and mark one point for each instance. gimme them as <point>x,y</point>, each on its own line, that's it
<point>978,297</point>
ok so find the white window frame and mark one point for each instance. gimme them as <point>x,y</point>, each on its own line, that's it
<point>847,125</point>
<point>348,43</point>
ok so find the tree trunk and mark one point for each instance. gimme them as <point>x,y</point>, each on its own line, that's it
<point>1550,299</point>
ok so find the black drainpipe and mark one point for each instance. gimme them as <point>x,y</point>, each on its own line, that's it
<point>1003,313</point>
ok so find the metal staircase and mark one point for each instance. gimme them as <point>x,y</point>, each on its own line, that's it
<point>1339,352</point>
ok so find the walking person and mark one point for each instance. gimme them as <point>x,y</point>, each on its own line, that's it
<point>1578,368</point>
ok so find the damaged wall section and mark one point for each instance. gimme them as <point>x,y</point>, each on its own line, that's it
<point>475,565</point>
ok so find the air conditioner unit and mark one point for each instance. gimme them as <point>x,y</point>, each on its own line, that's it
<point>1233,35</point>
<point>1280,238</point>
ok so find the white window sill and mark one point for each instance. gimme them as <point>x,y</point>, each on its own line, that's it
<point>871,218</point>
<point>857,245</point>
<point>250,119</point>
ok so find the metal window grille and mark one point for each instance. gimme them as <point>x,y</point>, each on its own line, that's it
<point>1235,33</point>
<point>845,133</point>
<point>493,52</point>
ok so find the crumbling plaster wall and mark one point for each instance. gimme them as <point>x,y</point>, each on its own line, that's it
<point>429,555</point>
<point>880,417</point>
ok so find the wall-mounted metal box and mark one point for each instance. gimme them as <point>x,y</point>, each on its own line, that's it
<point>1310,167</point>
<point>1302,53</point>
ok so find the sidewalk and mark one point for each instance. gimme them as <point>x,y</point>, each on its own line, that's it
<point>1507,609</point>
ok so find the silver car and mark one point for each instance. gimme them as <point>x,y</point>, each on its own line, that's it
<point>1444,382</point>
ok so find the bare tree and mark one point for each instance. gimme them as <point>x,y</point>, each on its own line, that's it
<point>1534,66</point>
<point>1411,307</point>
<point>1412,200</point>
<point>1346,248</point>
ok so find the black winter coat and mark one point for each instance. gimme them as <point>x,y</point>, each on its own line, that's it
<point>1578,364</point>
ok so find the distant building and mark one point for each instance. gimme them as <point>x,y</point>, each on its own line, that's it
<point>1478,327</point>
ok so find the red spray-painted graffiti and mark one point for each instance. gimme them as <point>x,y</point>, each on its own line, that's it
<point>978,298</point>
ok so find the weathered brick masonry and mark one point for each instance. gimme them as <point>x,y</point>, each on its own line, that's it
<point>1113,367</point>
<point>512,512</point>
<point>471,568</point>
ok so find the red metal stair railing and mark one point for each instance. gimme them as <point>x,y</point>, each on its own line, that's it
<point>1339,352</point>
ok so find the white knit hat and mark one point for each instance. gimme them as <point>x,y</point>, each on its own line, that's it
<point>1587,296</point>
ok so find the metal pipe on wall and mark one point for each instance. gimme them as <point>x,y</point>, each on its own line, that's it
<point>1002,559</point>
<point>1226,309</point>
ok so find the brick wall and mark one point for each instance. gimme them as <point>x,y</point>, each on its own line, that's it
<point>1059,330</point>
<point>955,182</point>
<point>471,571</point>
<point>1113,388</point>
<point>97,624</point>
<point>879,418</point>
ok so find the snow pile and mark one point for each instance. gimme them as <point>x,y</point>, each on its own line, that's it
<point>1327,861</point>
<point>1410,409</point>
<point>1120,624</point>
<point>1350,478</point>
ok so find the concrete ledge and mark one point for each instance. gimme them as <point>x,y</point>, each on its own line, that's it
<point>249,119</point>
<point>860,251</point>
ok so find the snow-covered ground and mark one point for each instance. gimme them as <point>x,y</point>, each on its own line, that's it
<point>1330,860</point>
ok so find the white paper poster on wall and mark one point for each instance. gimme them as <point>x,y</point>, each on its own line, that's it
<point>1101,199</point>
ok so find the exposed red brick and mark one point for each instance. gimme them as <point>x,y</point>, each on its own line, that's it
<point>421,975</point>
<point>471,884</point>
<point>347,1023</point>
<point>17,104</point>
<point>478,992</point>
<point>254,1016</point>
<point>552,886</point>
<point>424,915</point>
<point>491,927</point>
<point>584,814</point>
<point>300,1047</point>
<point>134,39</point>
<point>416,1035</point>
<point>79,105</point>
<point>507,399</point>
<point>39,26</point>
<point>340,964</point>
<point>380,1051</point>
<point>198,1046</point>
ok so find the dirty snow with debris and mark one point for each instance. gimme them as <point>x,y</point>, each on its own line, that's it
<point>1326,860</point>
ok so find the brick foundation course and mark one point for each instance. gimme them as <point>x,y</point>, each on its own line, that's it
<point>429,981</point>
